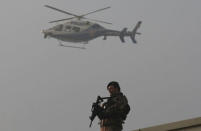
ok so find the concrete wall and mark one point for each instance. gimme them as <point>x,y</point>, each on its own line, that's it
<point>185,125</point>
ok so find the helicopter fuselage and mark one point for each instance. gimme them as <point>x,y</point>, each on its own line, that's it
<point>77,37</point>
<point>84,31</point>
<point>75,31</point>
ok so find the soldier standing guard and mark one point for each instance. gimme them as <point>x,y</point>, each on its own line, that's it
<point>115,110</point>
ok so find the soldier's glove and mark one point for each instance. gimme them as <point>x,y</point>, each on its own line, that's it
<point>97,108</point>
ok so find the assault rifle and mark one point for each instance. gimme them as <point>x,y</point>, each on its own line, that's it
<point>96,108</point>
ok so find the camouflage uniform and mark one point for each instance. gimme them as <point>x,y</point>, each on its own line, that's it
<point>114,114</point>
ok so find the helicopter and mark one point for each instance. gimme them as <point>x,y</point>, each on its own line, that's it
<point>82,31</point>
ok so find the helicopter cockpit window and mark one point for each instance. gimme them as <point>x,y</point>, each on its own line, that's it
<point>68,28</point>
<point>96,26</point>
<point>76,29</point>
<point>58,27</point>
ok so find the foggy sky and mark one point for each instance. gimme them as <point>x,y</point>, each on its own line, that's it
<point>44,87</point>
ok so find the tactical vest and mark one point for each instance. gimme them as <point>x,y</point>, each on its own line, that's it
<point>116,110</point>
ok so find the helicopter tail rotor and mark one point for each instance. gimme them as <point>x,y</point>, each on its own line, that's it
<point>134,32</point>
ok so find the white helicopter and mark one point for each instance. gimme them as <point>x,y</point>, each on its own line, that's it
<point>79,31</point>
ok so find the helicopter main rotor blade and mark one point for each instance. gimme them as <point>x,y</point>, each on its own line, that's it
<point>62,11</point>
<point>77,16</point>
<point>96,11</point>
<point>62,19</point>
<point>100,21</point>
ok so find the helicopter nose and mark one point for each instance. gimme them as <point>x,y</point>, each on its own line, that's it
<point>46,33</point>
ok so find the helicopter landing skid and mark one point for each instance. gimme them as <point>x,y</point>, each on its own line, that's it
<point>78,47</point>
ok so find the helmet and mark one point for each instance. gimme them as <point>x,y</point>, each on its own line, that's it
<point>115,84</point>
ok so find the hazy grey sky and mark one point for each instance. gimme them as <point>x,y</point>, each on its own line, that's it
<point>44,87</point>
